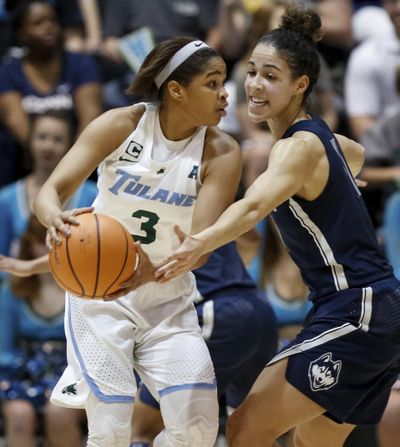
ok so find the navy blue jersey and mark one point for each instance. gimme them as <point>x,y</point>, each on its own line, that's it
<point>223,270</point>
<point>331,238</point>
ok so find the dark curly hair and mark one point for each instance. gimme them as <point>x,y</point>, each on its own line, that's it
<point>295,41</point>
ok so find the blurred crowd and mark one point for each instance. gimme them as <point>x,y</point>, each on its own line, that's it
<point>64,62</point>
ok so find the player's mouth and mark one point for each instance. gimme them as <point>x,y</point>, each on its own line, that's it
<point>221,110</point>
<point>257,102</point>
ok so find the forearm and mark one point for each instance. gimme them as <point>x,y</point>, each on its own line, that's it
<point>39,265</point>
<point>238,219</point>
<point>47,205</point>
<point>381,175</point>
<point>91,16</point>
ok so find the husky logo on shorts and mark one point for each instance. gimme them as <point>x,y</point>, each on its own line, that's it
<point>132,152</point>
<point>324,372</point>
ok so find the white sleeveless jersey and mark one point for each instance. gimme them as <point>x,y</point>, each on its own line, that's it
<point>150,197</point>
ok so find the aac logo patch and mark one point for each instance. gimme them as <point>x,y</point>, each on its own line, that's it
<point>324,372</point>
<point>132,153</point>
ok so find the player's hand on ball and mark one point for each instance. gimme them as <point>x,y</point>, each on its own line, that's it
<point>183,260</point>
<point>144,274</point>
<point>60,222</point>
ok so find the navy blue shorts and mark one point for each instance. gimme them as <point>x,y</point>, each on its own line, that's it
<point>240,330</point>
<point>347,357</point>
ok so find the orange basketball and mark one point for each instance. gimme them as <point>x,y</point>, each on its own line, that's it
<point>96,258</point>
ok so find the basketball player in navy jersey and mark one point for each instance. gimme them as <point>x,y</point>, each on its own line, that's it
<point>240,330</point>
<point>339,370</point>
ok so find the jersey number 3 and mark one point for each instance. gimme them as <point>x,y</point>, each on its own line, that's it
<point>148,221</point>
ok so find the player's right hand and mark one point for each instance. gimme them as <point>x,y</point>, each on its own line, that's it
<point>60,222</point>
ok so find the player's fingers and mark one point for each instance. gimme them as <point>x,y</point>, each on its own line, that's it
<point>361,183</point>
<point>165,267</point>
<point>59,225</point>
<point>78,211</point>
<point>48,240</point>
<point>53,236</point>
<point>181,235</point>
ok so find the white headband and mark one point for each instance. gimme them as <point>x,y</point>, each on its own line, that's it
<point>177,59</point>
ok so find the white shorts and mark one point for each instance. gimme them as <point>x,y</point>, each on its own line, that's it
<point>153,330</point>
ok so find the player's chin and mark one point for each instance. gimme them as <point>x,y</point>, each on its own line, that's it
<point>256,118</point>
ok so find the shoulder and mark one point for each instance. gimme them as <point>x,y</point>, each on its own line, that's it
<point>219,143</point>
<point>120,120</point>
<point>303,142</point>
<point>11,63</point>
<point>371,52</point>
<point>8,192</point>
<point>73,58</point>
<point>221,154</point>
<point>10,72</point>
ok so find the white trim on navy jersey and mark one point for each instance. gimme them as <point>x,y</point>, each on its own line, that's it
<point>345,165</point>
<point>336,332</point>
<point>324,248</point>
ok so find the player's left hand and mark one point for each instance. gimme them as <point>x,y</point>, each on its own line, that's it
<point>182,260</point>
<point>144,274</point>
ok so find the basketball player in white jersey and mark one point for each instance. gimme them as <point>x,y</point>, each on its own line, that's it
<point>159,164</point>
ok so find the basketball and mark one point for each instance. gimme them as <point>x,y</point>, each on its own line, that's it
<point>95,259</point>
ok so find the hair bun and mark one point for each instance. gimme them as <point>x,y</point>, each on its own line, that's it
<point>303,20</point>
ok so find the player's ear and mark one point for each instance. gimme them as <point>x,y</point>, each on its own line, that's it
<point>302,84</point>
<point>175,90</point>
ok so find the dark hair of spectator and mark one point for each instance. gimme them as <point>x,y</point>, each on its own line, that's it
<point>143,85</point>
<point>295,39</point>
<point>28,288</point>
<point>19,9</point>
<point>57,115</point>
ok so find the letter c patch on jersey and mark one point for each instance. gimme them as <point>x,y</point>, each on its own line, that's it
<point>324,372</point>
<point>132,153</point>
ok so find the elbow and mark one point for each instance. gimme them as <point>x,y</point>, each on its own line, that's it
<point>255,213</point>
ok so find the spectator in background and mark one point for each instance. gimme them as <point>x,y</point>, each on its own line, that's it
<point>164,18</point>
<point>370,85</point>
<point>50,139</point>
<point>91,14</point>
<point>33,354</point>
<point>5,29</point>
<point>194,18</point>
<point>46,77</point>
<point>382,162</point>
<point>371,21</point>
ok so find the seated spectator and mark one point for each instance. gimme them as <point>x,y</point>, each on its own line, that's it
<point>370,84</point>
<point>194,18</point>
<point>382,159</point>
<point>51,136</point>
<point>33,354</point>
<point>46,77</point>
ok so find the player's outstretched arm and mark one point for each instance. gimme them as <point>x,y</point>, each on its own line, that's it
<point>22,267</point>
<point>292,163</point>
